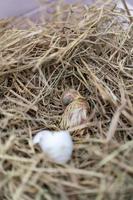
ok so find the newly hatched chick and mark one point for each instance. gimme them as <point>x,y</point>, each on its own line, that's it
<point>57,145</point>
<point>76,111</point>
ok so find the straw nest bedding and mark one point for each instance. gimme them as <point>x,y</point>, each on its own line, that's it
<point>91,50</point>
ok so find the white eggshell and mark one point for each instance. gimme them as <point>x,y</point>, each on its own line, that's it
<point>57,145</point>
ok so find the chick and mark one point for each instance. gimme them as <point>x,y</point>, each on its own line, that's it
<point>76,111</point>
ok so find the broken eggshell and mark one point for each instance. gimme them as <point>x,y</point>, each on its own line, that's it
<point>57,145</point>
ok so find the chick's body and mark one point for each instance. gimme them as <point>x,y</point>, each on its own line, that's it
<point>76,113</point>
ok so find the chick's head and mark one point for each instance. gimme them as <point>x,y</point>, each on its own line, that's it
<point>69,96</point>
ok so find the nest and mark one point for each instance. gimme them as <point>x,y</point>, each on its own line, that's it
<point>85,48</point>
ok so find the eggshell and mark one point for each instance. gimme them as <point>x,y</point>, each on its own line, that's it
<point>58,145</point>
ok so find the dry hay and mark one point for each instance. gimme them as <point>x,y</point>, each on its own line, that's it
<point>91,51</point>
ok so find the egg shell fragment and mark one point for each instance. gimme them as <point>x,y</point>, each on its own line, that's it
<point>57,145</point>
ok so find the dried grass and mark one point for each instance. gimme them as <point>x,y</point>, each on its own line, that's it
<point>88,49</point>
